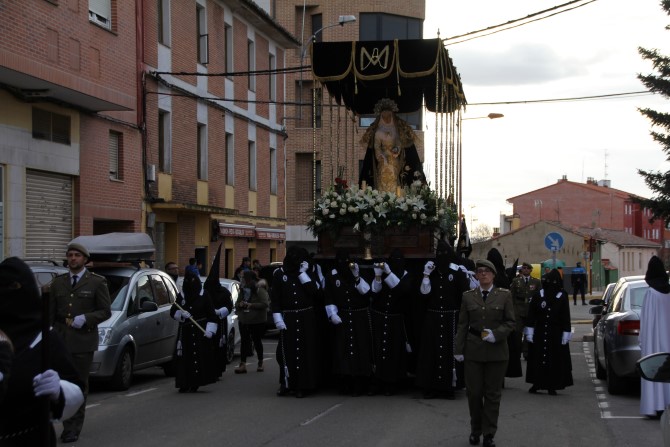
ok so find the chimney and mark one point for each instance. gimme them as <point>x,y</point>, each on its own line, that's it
<point>563,179</point>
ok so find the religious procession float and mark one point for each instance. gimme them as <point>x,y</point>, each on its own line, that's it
<point>389,202</point>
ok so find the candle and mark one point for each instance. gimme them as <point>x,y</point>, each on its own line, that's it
<point>364,184</point>
<point>397,191</point>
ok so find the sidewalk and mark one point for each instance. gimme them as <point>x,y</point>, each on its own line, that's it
<point>579,314</point>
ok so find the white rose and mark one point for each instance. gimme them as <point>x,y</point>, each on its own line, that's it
<point>325,211</point>
<point>343,211</point>
<point>317,223</point>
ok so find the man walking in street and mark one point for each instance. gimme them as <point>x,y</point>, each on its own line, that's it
<point>79,302</point>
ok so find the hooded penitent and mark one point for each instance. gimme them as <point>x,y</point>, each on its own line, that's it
<point>342,263</point>
<point>496,259</point>
<point>444,255</point>
<point>20,303</point>
<point>397,262</point>
<point>293,259</point>
<point>552,283</point>
<point>192,285</point>
<point>656,276</point>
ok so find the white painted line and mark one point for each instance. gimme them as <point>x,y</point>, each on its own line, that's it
<point>92,405</point>
<point>137,393</point>
<point>320,415</point>
<point>609,416</point>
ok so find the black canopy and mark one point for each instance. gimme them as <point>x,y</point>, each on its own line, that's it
<point>358,74</point>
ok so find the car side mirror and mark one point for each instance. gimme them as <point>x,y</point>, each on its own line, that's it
<point>596,302</point>
<point>148,306</point>
<point>597,310</point>
<point>655,367</point>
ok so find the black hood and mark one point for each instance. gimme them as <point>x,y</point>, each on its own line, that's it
<point>396,262</point>
<point>656,276</point>
<point>20,303</point>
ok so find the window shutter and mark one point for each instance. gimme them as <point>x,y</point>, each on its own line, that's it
<point>113,155</point>
<point>101,7</point>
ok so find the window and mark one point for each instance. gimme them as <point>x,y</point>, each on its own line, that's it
<point>164,22</point>
<point>304,177</point>
<point>51,126</point>
<point>273,171</point>
<point>164,142</point>
<point>272,64</point>
<point>380,26</point>
<point>202,43</point>
<point>317,26</point>
<point>229,49</point>
<point>100,12</point>
<point>162,296</point>
<point>252,166</point>
<point>202,152</point>
<point>115,155</point>
<point>230,160</point>
<point>251,66</point>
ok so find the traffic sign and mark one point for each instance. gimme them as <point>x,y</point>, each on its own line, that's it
<point>553,241</point>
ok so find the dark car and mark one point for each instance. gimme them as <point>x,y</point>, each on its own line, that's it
<point>616,335</point>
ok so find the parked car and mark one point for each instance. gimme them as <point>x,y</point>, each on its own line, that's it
<point>616,335</point>
<point>45,270</point>
<point>601,303</point>
<point>656,368</point>
<point>140,333</point>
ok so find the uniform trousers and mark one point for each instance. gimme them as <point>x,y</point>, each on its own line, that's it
<point>483,383</point>
<point>82,363</point>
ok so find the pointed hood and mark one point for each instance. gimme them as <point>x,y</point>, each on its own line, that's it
<point>656,276</point>
<point>464,245</point>
<point>212,284</point>
<point>496,259</point>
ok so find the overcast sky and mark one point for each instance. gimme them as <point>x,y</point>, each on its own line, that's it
<point>591,50</point>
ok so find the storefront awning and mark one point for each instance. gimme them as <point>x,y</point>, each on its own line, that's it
<point>274,234</point>
<point>237,230</point>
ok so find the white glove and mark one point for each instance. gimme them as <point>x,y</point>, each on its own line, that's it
<point>567,336</point>
<point>489,337</point>
<point>210,329</point>
<point>47,384</point>
<point>304,265</point>
<point>378,271</point>
<point>529,331</point>
<point>428,268</point>
<point>222,312</point>
<point>387,269</point>
<point>78,321</point>
<point>333,272</point>
<point>355,270</point>
<point>459,357</point>
<point>335,319</point>
<point>279,321</point>
<point>182,315</point>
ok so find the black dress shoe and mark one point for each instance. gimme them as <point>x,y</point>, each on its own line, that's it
<point>69,436</point>
<point>533,390</point>
<point>473,439</point>
<point>488,441</point>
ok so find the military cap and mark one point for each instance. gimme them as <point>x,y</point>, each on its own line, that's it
<point>525,264</point>
<point>485,263</point>
<point>80,248</point>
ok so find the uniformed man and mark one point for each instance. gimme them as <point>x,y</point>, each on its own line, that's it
<point>79,302</point>
<point>486,319</point>
<point>523,287</point>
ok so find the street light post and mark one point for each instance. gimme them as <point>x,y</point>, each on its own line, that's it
<point>491,116</point>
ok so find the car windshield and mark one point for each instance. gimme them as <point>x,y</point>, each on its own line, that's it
<point>117,290</point>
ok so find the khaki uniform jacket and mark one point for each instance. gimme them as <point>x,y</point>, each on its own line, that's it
<point>521,295</point>
<point>90,297</point>
<point>496,314</point>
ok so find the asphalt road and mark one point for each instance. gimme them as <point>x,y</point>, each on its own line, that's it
<point>242,410</point>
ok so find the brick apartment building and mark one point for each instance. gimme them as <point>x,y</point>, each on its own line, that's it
<point>335,142</point>
<point>117,116</point>
<point>592,205</point>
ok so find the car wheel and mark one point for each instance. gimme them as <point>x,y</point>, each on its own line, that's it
<point>123,374</point>
<point>615,384</point>
<point>601,373</point>
<point>230,347</point>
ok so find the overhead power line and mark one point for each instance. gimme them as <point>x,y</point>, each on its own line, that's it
<point>575,98</point>
<point>515,23</point>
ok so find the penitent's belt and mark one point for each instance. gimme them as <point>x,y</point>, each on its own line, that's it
<point>473,331</point>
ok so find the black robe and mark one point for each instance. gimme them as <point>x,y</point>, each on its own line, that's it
<point>549,363</point>
<point>222,298</point>
<point>297,351</point>
<point>352,347</point>
<point>20,409</point>
<point>196,354</point>
<point>436,364</point>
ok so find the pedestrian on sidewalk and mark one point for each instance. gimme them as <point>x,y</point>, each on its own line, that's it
<point>579,283</point>
<point>252,314</point>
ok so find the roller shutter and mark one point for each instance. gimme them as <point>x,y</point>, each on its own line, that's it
<point>48,214</point>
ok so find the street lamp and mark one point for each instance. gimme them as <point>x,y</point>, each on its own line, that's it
<point>491,116</point>
<point>341,21</point>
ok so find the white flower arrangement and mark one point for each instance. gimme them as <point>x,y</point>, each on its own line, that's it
<point>369,210</point>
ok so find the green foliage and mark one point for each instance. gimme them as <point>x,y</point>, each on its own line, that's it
<point>658,182</point>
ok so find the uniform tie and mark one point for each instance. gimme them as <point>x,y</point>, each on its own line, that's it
<point>74,280</point>
<point>526,279</point>
<point>485,294</point>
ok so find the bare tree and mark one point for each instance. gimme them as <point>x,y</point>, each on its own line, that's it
<point>480,233</point>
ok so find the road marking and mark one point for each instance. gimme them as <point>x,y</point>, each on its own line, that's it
<point>92,405</point>
<point>136,393</point>
<point>320,415</point>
